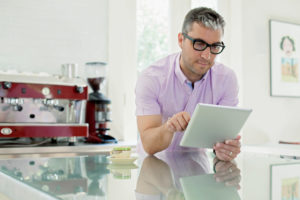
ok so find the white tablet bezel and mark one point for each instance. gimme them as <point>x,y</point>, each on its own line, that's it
<point>210,124</point>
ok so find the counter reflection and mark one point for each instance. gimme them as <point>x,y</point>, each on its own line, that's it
<point>82,177</point>
<point>171,176</point>
<point>187,175</point>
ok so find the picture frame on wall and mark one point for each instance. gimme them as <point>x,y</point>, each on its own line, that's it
<point>285,181</point>
<point>284,58</point>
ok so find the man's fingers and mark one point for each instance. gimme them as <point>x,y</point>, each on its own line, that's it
<point>182,122</point>
<point>229,154</point>
<point>186,117</point>
<point>238,137</point>
<point>176,124</point>
<point>229,150</point>
<point>233,143</point>
<point>234,148</point>
<point>170,126</point>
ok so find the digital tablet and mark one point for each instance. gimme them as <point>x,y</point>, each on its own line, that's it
<point>210,124</point>
<point>207,188</point>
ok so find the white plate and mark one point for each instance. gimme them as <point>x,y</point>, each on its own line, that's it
<point>114,166</point>
<point>122,161</point>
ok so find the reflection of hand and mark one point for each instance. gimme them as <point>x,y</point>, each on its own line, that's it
<point>175,194</point>
<point>228,150</point>
<point>227,172</point>
<point>156,178</point>
<point>178,122</point>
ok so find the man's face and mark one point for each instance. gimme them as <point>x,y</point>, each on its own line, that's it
<point>195,64</point>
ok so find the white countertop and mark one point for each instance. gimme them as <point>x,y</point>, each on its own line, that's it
<point>273,149</point>
<point>81,148</point>
<point>291,150</point>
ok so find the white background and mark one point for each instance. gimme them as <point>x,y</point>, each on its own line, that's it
<point>247,52</point>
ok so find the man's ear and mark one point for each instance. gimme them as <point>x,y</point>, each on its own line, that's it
<point>180,40</point>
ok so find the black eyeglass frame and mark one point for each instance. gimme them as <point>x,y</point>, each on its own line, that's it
<point>207,45</point>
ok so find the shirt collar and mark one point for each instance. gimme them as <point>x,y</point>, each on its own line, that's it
<point>180,75</point>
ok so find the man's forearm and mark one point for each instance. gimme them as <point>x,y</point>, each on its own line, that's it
<point>156,139</point>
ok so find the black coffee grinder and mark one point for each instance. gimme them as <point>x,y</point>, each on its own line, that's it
<point>97,111</point>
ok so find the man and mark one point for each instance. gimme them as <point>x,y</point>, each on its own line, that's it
<point>168,91</point>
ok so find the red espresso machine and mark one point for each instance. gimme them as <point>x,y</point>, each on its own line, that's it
<point>42,106</point>
<point>98,111</point>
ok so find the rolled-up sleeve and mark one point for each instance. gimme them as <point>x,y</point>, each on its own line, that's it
<point>146,95</point>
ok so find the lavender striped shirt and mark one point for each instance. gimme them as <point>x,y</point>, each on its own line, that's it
<point>163,89</point>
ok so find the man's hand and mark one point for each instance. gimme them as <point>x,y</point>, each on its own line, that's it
<point>229,149</point>
<point>157,136</point>
<point>178,122</point>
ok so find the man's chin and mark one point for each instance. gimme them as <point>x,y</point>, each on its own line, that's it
<point>202,69</point>
<point>202,66</point>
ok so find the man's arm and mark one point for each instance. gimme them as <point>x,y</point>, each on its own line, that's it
<point>157,136</point>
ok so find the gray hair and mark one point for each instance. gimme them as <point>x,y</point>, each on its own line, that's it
<point>206,16</point>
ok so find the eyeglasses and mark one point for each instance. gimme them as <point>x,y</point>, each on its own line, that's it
<point>201,45</point>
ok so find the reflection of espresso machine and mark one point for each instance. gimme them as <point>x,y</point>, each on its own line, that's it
<point>96,171</point>
<point>42,105</point>
<point>62,177</point>
<point>98,112</point>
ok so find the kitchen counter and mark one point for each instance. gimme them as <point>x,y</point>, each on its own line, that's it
<point>60,148</point>
<point>186,175</point>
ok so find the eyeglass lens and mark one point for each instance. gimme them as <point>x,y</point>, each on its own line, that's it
<point>201,46</point>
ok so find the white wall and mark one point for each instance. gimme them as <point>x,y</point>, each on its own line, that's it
<point>40,35</point>
<point>232,56</point>
<point>177,12</point>
<point>273,118</point>
<point>122,67</point>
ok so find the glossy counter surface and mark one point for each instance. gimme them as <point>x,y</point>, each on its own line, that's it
<point>49,148</point>
<point>188,175</point>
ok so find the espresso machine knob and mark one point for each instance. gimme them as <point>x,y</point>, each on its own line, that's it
<point>7,85</point>
<point>79,89</point>
<point>59,108</point>
<point>6,131</point>
<point>18,108</point>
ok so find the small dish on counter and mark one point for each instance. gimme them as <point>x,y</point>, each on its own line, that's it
<point>122,161</point>
<point>117,166</point>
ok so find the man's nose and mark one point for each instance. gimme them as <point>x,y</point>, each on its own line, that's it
<point>206,53</point>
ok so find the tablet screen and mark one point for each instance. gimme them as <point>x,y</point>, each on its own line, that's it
<point>210,124</point>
